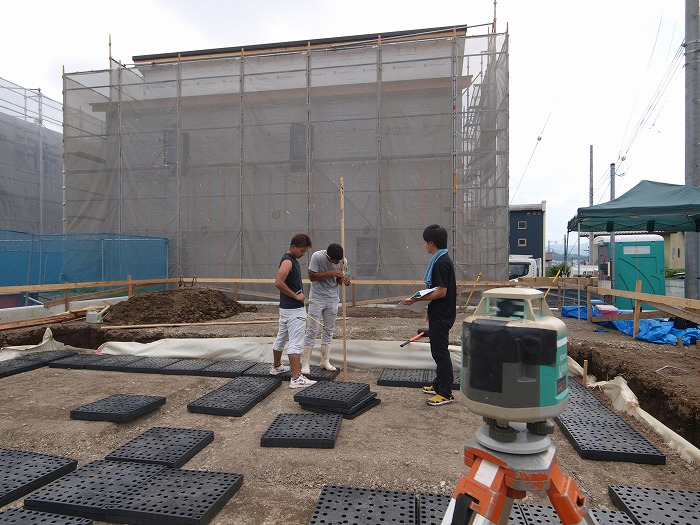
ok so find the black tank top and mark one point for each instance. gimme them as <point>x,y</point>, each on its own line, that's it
<point>293,280</point>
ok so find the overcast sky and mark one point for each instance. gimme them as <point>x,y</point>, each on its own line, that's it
<point>598,72</point>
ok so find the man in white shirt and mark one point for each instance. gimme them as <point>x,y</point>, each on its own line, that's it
<point>326,274</point>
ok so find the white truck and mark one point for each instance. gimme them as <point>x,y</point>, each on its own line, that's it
<point>523,266</point>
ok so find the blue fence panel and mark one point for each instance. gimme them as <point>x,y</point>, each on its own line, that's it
<point>53,259</point>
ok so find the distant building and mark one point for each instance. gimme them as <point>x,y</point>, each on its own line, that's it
<point>527,230</point>
<point>31,171</point>
<point>674,250</point>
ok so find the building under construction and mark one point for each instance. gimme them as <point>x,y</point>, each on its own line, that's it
<point>229,152</point>
<point>31,178</point>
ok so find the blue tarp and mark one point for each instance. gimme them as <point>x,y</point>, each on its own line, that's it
<point>659,331</point>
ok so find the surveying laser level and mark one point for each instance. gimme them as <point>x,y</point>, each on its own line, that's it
<point>514,368</point>
<point>514,375</point>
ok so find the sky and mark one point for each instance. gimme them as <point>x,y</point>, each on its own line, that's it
<point>597,73</point>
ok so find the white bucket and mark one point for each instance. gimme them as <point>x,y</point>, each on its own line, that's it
<point>93,317</point>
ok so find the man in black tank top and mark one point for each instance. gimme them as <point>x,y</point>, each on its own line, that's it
<point>292,323</point>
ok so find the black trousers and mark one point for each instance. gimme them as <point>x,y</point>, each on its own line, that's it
<point>439,341</point>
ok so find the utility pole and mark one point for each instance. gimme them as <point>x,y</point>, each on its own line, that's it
<point>590,184</point>
<point>692,137</point>
<point>611,251</point>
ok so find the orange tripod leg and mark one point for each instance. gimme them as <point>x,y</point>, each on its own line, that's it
<point>485,485</point>
<point>567,500</point>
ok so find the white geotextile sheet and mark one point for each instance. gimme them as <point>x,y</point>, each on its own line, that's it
<point>361,354</point>
<point>624,400</point>
<point>48,343</point>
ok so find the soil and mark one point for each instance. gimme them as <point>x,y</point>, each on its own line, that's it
<point>188,305</point>
<point>401,445</point>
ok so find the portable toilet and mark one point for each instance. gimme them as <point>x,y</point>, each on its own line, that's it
<point>637,258</point>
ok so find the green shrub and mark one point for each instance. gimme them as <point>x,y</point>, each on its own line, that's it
<point>565,270</point>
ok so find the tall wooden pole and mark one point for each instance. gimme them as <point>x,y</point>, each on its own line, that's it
<point>342,243</point>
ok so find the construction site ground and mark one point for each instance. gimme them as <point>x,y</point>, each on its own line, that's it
<point>400,445</point>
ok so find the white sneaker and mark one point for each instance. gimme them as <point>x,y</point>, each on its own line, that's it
<point>277,370</point>
<point>301,382</point>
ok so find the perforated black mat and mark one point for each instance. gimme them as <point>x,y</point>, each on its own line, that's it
<point>92,490</point>
<point>650,506</point>
<point>178,497</point>
<point>172,447</point>
<point>137,493</point>
<point>31,361</point>
<point>75,361</point>
<point>579,395</point>
<point>413,378</point>
<point>263,370</point>
<point>373,402</point>
<point>596,432</point>
<point>321,374</point>
<point>48,356</point>
<point>227,368</point>
<point>302,431</point>
<point>118,408</point>
<point>432,507</point>
<point>359,506</point>
<point>236,397</point>
<point>192,367</point>
<point>149,365</point>
<point>362,406</point>
<point>402,377</point>
<point>32,517</point>
<point>546,515</point>
<point>22,472</point>
<point>113,363</point>
<point>330,394</point>
<point>17,366</point>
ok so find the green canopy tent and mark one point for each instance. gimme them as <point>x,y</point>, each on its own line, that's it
<point>649,206</point>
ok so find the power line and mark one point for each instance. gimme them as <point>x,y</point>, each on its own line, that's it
<point>554,104</point>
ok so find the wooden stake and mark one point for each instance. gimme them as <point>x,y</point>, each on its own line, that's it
<point>344,293</point>
<point>585,372</point>
<point>637,309</point>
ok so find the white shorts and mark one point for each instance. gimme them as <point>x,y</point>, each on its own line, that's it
<point>292,326</point>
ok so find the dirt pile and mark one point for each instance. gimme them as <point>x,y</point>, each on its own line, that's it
<point>184,305</point>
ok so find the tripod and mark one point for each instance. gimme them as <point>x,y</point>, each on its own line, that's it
<point>485,495</point>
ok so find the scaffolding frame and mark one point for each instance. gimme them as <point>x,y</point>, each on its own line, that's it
<point>407,180</point>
